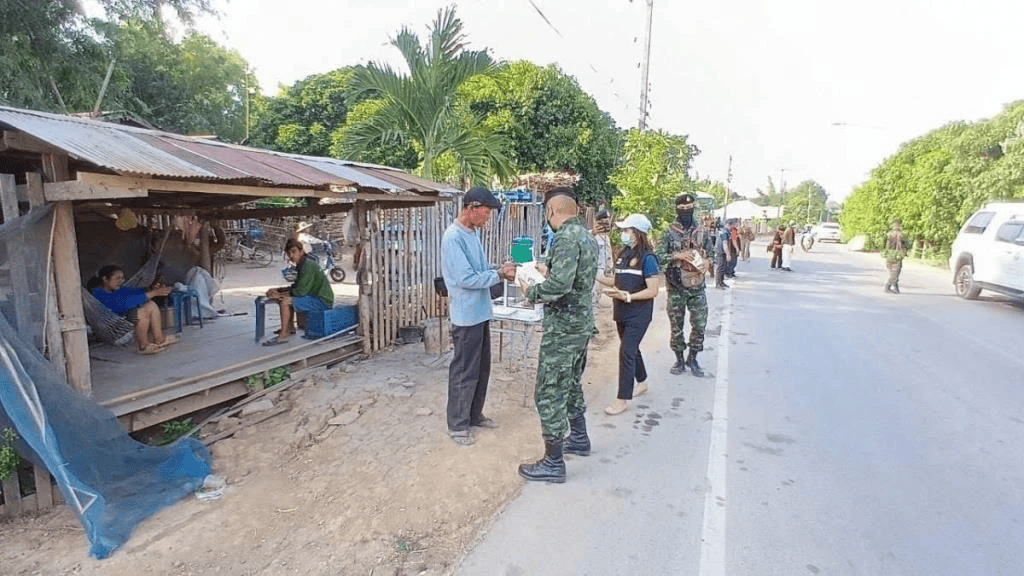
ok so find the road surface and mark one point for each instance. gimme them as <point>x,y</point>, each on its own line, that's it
<point>845,431</point>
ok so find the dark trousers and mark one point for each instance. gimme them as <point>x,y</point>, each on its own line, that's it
<point>777,258</point>
<point>731,266</point>
<point>631,362</point>
<point>721,268</point>
<point>468,374</point>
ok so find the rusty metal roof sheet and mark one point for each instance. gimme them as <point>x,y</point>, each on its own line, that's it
<point>129,150</point>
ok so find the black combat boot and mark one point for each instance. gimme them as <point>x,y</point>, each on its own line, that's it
<point>691,362</point>
<point>578,442</point>
<point>550,468</point>
<point>680,366</point>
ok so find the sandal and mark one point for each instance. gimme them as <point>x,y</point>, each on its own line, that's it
<point>461,437</point>
<point>640,390</point>
<point>168,340</point>
<point>151,349</point>
<point>274,341</point>
<point>616,408</point>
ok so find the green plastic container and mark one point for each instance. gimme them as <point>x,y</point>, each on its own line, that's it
<point>522,249</point>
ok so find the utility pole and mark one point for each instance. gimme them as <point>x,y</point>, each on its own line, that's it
<point>645,66</point>
<point>728,182</point>
<point>782,191</point>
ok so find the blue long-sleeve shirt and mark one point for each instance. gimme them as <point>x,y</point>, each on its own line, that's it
<point>467,275</point>
<point>121,301</point>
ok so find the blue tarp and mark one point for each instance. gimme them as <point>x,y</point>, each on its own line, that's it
<point>110,481</point>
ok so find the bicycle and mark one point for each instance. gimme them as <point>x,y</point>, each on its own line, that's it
<point>246,248</point>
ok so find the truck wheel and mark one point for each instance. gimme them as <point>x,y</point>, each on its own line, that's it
<point>963,282</point>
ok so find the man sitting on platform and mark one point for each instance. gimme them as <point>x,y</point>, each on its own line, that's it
<point>311,291</point>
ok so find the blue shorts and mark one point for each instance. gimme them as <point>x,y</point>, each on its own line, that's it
<point>309,303</point>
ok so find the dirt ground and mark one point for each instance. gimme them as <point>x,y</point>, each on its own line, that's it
<point>357,477</point>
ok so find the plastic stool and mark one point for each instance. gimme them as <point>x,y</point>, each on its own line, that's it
<point>182,302</point>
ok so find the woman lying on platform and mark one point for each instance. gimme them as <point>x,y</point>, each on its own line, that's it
<point>134,304</point>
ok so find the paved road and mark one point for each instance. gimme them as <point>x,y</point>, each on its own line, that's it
<point>847,431</point>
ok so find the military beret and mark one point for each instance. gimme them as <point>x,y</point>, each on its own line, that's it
<point>685,198</point>
<point>561,191</point>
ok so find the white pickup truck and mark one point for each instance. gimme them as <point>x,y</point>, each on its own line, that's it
<point>988,253</point>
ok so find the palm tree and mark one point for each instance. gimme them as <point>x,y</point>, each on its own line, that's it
<point>421,106</point>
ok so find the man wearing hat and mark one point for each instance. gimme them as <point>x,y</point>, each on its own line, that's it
<point>468,278</point>
<point>682,253</point>
<point>568,325</point>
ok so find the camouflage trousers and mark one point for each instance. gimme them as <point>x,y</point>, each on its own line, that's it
<point>679,301</point>
<point>559,395</point>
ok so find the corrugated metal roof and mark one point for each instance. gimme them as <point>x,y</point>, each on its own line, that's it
<point>135,151</point>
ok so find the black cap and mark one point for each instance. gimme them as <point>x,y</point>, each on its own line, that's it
<point>685,198</point>
<point>561,191</point>
<point>480,195</point>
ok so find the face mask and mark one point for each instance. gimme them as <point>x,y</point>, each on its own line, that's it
<point>627,239</point>
<point>685,217</point>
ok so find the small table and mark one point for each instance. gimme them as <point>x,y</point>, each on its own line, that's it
<point>521,323</point>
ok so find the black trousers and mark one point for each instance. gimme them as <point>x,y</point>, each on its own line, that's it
<point>631,362</point>
<point>468,374</point>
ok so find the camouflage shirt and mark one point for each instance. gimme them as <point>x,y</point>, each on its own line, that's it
<point>678,238</point>
<point>572,265</point>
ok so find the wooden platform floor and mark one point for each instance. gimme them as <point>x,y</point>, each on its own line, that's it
<point>222,352</point>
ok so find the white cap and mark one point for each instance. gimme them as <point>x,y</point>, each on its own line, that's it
<point>638,221</point>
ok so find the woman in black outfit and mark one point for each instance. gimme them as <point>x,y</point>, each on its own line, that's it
<point>635,285</point>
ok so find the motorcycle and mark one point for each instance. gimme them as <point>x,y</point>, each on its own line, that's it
<point>807,239</point>
<point>323,253</point>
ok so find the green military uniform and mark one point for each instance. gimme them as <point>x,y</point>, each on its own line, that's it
<point>568,324</point>
<point>680,297</point>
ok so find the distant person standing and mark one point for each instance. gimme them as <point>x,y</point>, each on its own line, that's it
<point>723,255</point>
<point>734,248</point>
<point>633,289</point>
<point>469,277</point>
<point>776,248</point>
<point>894,253</point>
<point>746,237</point>
<point>788,245</point>
<point>602,226</point>
<point>568,325</point>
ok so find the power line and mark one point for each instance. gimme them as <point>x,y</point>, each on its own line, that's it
<point>611,80</point>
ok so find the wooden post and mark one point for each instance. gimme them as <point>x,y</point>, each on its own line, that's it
<point>69,289</point>
<point>54,348</point>
<point>204,248</point>
<point>16,258</point>
<point>359,213</point>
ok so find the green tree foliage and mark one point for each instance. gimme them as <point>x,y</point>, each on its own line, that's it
<point>805,204</point>
<point>302,118</point>
<point>54,58</point>
<point>934,182</point>
<point>193,87</point>
<point>419,105</point>
<point>551,122</point>
<point>654,170</point>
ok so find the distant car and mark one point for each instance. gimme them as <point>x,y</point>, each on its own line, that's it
<point>988,253</point>
<point>827,231</point>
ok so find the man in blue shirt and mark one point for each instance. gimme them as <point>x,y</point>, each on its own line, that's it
<point>469,278</point>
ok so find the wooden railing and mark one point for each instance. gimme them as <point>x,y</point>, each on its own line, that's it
<point>40,493</point>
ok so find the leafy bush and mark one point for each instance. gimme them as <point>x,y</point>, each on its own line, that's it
<point>8,457</point>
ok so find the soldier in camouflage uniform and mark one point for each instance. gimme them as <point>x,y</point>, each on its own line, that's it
<point>683,254</point>
<point>568,324</point>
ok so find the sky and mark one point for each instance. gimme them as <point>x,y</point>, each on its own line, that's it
<point>791,89</point>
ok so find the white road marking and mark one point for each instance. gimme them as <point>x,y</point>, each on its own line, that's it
<point>712,538</point>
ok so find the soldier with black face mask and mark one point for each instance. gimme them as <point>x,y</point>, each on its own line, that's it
<point>684,257</point>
